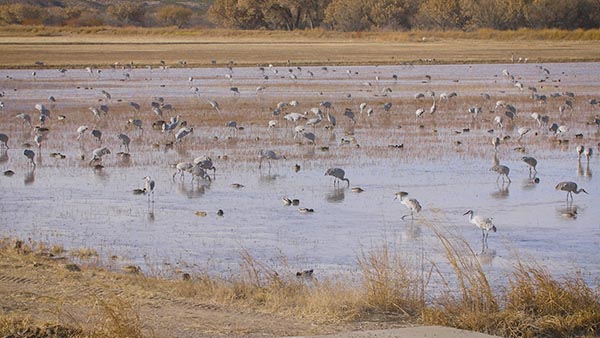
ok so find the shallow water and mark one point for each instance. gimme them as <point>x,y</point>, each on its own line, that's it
<point>67,202</point>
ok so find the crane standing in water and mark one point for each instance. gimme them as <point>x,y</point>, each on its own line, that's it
<point>484,223</point>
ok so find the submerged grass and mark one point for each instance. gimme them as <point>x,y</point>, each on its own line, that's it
<point>388,286</point>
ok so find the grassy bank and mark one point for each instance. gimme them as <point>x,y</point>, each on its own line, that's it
<point>103,46</point>
<point>389,288</point>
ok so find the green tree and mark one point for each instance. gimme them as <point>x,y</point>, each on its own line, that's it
<point>174,15</point>
<point>131,13</point>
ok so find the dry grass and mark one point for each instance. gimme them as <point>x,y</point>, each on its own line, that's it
<point>80,47</point>
<point>389,286</point>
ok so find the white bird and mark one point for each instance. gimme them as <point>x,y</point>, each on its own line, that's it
<point>339,175</point>
<point>269,155</point>
<point>484,223</point>
<point>411,204</point>
<point>570,188</point>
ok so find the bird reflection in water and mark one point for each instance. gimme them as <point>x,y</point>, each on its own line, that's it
<point>336,195</point>
<point>502,191</point>
<point>268,179</point>
<point>584,171</point>
<point>3,155</point>
<point>29,176</point>
<point>192,190</point>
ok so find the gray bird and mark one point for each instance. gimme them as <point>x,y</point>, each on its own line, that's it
<point>411,204</point>
<point>4,140</point>
<point>269,155</point>
<point>338,174</point>
<point>531,162</point>
<point>30,155</point>
<point>570,188</point>
<point>502,171</point>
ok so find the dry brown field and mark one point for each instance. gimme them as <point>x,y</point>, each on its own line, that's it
<point>69,47</point>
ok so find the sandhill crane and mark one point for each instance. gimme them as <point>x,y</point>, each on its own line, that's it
<point>338,175</point>
<point>182,167</point>
<point>149,187</point>
<point>419,112</point>
<point>98,153</point>
<point>411,204</point>
<point>198,171</point>
<point>215,105</point>
<point>30,155</point>
<point>579,150</point>
<point>502,171</point>
<point>309,136</point>
<point>522,131</point>
<point>387,106</point>
<point>499,121</point>
<point>183,132</point>
<point>136,107</point>
<point>269,155</point>
<point>39,139</point>
<point>80,131</point>
<point>484,223</point>
<point>294,117</point>
<point>588,153</point>
<point>25,117</point>
<point>125,140</point>
<point>4,140</point>
<point>205,163</point>
<point>98,135</point>
<point>570,188</point>
<point>496,143</point>
<point>349,114</point>
<point>531,162</point>
<point>137,123</point>
<point>433,108</point>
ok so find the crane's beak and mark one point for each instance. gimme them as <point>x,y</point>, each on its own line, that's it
<point>467,212</point>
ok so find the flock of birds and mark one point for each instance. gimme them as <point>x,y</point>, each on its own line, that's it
<point>303,123</point>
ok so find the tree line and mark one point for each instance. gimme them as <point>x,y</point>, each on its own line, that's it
<point>340,15</point>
